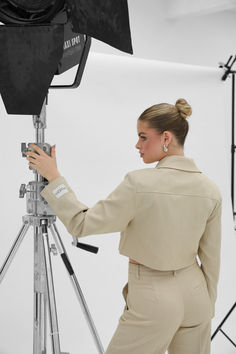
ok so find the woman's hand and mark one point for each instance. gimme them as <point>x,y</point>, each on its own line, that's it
<point>43,163</point>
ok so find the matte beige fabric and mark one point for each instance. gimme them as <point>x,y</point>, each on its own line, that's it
<point>164,310</point>
<point>166,215</point>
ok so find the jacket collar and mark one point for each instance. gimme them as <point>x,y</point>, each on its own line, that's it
<point>178,162</point>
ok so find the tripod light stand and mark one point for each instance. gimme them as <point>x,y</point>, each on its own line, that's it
<point>228,70</point>
<point>42,218</point>
<point>40,39</point>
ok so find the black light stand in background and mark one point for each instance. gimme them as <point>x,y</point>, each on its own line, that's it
<point>228,71</point>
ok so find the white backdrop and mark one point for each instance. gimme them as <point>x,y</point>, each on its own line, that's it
<point>95,131</point>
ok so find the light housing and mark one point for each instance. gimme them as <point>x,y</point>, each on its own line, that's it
<point>43,38</point>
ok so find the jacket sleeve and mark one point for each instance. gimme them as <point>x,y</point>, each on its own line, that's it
<point>106,216</point>
<point>210,252</point>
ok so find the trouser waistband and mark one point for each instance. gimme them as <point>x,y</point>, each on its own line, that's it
<point>139,269</point>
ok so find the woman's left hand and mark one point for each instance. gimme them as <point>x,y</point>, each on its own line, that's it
<point>43,163</point>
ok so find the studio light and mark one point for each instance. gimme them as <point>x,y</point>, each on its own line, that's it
<point>43,38</point>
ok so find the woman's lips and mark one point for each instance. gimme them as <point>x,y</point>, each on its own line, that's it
<point>141,155</point>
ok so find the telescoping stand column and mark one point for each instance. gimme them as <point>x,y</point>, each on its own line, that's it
<point>42,218</point>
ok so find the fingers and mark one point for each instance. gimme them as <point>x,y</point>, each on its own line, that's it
<point>31,154</point>
<point>31,159</point>
<point>40,160</point>
<point>36,148</point>
<point>32,163</point>
<point>53,154</point>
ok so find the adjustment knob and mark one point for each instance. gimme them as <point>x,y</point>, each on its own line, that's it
<point>53,249</point>
<point>22,190</point>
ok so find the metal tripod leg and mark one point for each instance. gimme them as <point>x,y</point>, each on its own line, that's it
<point>75,283</point>
<point>13,250</point>
<point>50,291</point>
<point>40,295</point>
<point>39,339</point>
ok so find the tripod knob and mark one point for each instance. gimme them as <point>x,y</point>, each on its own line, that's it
<point>53,249</point>
<point>22,190</point>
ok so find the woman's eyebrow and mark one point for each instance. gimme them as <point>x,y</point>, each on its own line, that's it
<point>141,133</point>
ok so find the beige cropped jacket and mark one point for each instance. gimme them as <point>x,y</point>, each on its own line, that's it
<point>166,216</point>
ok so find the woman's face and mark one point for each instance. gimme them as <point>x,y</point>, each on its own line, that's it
<point>150,143</point>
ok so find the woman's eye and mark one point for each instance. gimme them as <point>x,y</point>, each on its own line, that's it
<point>143,137</point>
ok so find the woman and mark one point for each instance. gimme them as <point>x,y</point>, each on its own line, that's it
<point>167,215</point>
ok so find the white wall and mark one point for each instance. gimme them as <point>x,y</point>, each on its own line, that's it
<point>180,31</point>
<point>201,38</point>
<point>94,128</point>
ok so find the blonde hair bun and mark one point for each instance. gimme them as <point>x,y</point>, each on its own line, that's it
<point>184,109</point>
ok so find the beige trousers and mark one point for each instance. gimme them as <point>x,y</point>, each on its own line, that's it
<point>164,310</point>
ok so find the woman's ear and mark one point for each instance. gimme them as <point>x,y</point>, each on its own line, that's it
<point>165,137</point>
<point>168,137</point>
